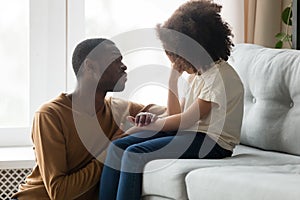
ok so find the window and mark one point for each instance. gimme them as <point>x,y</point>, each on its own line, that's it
<point>14,77</point>
<point>14,56</point>
<point>33,55</point>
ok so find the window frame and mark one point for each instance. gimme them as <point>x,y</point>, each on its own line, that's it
<point>47,61</point>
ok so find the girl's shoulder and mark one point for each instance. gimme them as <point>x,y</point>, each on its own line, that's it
<point>191,77</point>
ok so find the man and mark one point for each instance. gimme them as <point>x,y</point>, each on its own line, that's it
<point>68,144</point>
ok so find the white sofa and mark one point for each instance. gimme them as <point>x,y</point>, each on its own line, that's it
<point>266,165</point>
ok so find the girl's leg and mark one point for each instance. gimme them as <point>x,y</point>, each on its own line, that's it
<point>133,161</point>
<point>185,145</point>
<point>111,169</point>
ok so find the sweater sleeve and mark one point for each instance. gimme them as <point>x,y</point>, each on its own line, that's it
<point>51,156</point>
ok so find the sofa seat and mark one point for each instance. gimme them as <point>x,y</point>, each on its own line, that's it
<point>245,182</point>
<point>165,178</point>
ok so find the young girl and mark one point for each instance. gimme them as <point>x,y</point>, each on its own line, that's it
<point>205,124</point>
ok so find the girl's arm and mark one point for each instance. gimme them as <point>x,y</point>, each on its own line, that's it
<point>173,105</point>
<point>184,120</point>
<point>188,118</point>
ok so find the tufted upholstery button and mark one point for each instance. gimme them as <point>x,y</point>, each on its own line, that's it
<point>253,100</point>
<point>292,104</point>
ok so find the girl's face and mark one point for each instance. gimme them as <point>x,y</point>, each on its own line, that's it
<point>180,63</point>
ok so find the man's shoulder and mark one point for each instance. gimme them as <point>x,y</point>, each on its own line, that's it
<point>55,104</point>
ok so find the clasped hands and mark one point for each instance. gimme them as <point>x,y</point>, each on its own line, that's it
<point>142,121</point>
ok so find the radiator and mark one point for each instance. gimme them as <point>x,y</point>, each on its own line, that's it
<point>10,180</point>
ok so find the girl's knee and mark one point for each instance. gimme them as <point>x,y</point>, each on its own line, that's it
<point>121,143</point>
<point>133,160</point>
<point>115,149</point>
<point>135,148</point>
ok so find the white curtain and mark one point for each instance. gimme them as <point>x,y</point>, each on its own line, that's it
<point>254,21</point>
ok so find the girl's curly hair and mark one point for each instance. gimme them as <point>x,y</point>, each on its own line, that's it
<point>201,21</point>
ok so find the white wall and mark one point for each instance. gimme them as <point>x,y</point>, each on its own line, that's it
<point>233,13</point>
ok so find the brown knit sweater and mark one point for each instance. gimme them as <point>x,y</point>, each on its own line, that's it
<point>65,152</point>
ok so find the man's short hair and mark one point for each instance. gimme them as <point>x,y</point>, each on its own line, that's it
<point>83,49</point>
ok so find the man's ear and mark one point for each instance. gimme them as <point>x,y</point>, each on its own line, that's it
<point>92,69</point>
<point>88,65</point>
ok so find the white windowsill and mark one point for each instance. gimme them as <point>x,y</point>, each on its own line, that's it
<point>16,157</point>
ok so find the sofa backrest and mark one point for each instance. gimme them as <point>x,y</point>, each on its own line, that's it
<point>271,79</point>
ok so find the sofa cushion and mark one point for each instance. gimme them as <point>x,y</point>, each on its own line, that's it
<point>244,182</point>
<point>166,177</point>
<point>272,96</point>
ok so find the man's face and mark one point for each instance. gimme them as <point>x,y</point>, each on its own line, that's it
<point>112,70</point>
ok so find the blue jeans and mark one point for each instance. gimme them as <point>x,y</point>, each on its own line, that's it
<point>122,173</point>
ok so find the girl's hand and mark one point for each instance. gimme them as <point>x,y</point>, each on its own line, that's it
<point>178,67</point>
